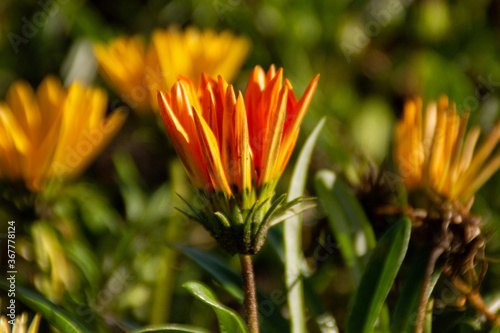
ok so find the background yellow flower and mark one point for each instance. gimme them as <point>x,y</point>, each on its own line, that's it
<point>54,133</point>
<point>137,72</point>
<point>435,151</point>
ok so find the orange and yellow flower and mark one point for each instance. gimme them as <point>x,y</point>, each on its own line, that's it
<point>435,151</point>
<point>20,324</point>
<point>54,133</point>
<point>235,146</point>
<point>137,71</point>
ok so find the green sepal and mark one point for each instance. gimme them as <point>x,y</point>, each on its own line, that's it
<point>261,232</point>
<point>223,219</point>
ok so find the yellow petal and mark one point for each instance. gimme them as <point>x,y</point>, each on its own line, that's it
<point>228,151</point>
<point>212,155</point>
<point>489,170</point>
<point>42,158</point>
<point>21,101</point>
<point>184,146</point>
<point>464,161</point>
<point>242,144</point>
<point>292,123</point>
<point>14,130</point>
<point>271,146</point>
<point>35,323</point>
<point>49,95</point>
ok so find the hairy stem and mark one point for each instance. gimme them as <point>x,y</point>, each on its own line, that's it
<point>250,303</point>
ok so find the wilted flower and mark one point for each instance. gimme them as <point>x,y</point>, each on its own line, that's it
<point>435,151</point>
<point>235,149</point>
<point>442,172</point>
<point>53,134</point>
<point>19,325</point>
<point>137,71</point>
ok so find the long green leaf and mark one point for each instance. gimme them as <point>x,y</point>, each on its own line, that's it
<point>57,316</point>
<point>378,277</point>
<point>340,224</point>
<point>229,321</point>
<point>354,212</point>
<point>406,309</point>
<point>293,239</point>
<point>172,328</point>
<point>325,321</point>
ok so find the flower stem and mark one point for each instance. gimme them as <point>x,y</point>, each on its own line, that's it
<point>250,303</point>
<point>435,254</point>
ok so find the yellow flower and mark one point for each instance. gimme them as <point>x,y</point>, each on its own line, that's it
<point>19,325</point>
<point>53,134</point>
<point>122,64</point>
<point>435,151</point>
<point>136,72</point>
<point>235,148</point>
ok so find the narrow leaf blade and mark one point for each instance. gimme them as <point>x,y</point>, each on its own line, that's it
<point>172,328</point>
<point>406,309</point>
<point>293,232</point>
<point>379,275</point>
<point>339,223</point>
<point>57,316</point>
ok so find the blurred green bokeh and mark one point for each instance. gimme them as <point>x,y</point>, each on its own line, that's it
<point>372,55</point>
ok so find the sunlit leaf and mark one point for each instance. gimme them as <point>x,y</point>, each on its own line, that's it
<point>293,235</point>
<point>229,320</point>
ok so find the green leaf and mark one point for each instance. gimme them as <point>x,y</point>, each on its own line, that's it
<point>231,282</point>
<point>229,320</point>
<point>406,309</point>
<point>325,321</point>
<point>342,227</point>
<point>293,235</point>
<point>86,202</point>
<point>159,204</point>
<point>172,328</point>
<point>354,212</point>
<point>378,277</point>
<point>130,186</point>
<point>54,314</point>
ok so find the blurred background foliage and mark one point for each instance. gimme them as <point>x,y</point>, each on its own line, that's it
<point>104,248</point>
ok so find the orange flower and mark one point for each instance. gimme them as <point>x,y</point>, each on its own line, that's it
<point>434,151</point>
<point>235,147</point>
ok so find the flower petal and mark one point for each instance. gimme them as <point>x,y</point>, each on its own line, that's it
<point>272,143</point>
<point>186,147</point>
<point>294,120</point>
<point>212,155</point>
